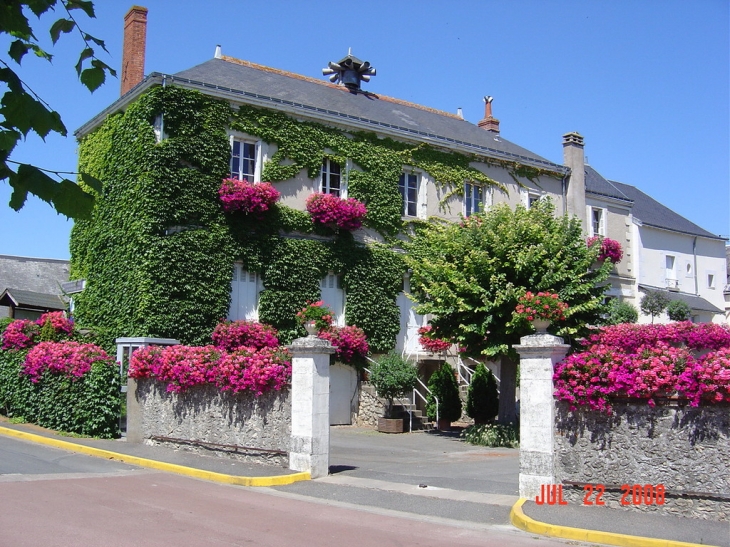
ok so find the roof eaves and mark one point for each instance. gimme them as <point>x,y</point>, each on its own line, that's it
<point>693,234</point>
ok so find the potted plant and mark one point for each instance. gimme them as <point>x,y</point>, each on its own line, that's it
<point>392,377</point>
<point>482,400</point>
<point>444,387</point>
<point>315,316</point>
<point>540,309</point>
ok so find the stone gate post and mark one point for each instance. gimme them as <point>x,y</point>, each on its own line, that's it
<point>310,402</point>
<point>539,353</point>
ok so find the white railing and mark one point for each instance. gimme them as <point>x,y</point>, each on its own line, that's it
<point>499,382</point>
<point>408,404</point>
<point>465,373</point>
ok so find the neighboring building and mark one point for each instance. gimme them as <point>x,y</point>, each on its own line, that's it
<point>31,286</point>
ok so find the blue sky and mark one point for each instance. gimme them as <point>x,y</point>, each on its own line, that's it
<point>645,82</point>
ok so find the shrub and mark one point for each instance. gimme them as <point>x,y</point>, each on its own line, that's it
<point>679,311</point>
<point>429,342</point>
<point>317,312</point>
<point>619,312</point>
<point>443,385</point>
<point>392,377</point>
<point>482,402</point>
<point>53,393</point>
<point>610,249</point>
<point>247,197</point>
<point>231,335</point>
<point>330,210</point>
<point>350,343</point>
<point>492,435</point>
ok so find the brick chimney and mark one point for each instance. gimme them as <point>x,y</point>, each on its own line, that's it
<point>574,157</point>
<point>489,122</point>
<point>135,38</point>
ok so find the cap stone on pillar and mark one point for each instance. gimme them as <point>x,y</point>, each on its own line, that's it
<point>133,51</point>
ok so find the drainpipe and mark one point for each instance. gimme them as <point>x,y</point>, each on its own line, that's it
<point>563,183</point>
<point>694,255</point>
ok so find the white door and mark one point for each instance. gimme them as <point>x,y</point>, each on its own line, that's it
<point>410,322</point>
<point>333,297</point>
<point>343,388</point>
<point>245,288</point>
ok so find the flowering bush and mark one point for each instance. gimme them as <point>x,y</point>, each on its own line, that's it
<point>231,335</point>
<point>330,210</point>
<point>543,305</point>
<point>20,334</point>
<point>350,342</point>
<point>23,333</point>
<point>647,361</point>
<point>430,343</point>
<point>182,367</point>
<point>317,312</point>
<point>71,359</point>
<point>610,249</point>
<point>247,197</point>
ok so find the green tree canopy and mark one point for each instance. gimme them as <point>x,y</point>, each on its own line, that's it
<point>469,276</point>
<point>654,303</point>
<point>23,111</point>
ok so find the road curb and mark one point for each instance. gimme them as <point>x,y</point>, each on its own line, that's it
<point>523,522</point>
<point>276,480</point>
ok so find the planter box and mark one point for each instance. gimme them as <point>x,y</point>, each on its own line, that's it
<point>390,425</point>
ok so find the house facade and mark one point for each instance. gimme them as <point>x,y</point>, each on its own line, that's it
<point>161,259</point>
<point>30,286</point>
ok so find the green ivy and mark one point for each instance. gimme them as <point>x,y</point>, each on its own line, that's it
<point>158,252</point>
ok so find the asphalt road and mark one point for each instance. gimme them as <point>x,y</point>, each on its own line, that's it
<point>52,497</point>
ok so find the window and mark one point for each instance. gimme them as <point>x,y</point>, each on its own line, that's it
<point>670,272</point>
<point>473,199</point>
<point>597,220</point>
<point>408,184</point>
<point>331,178</point>
<point>245,289</point>
<point>710,280</point>
<point>243,160</point>
<point>333,296</point>
<point>529,197</point>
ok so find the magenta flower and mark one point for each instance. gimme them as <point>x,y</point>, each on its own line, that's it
<point>610,249</point>
<point>247,197</point>
<point>329,210</point>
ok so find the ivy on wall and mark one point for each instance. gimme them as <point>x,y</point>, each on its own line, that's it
<point>158,252</point>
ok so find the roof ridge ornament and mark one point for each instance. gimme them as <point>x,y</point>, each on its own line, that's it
<point>349,71</point>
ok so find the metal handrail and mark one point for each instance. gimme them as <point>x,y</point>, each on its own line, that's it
<point>415,392</point>
<point>466,378</point>
<point>495,376</point>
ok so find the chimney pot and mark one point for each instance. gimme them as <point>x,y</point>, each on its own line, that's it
<point>218,52</point>
<point>489,122</point>
<point>135,39</point>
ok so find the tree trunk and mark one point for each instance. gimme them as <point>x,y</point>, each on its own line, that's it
<point>507,384</point>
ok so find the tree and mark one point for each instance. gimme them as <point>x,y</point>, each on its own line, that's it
<point>654,303</point>
<point>619,311</point>
<point>392,377</point>
<point>23,111</point>
<point>469,276</point>
<point>482,400</point>
<point>442,385</point>
<point>679,311</point>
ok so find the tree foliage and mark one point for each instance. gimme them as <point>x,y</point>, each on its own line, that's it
<point>469,276</point>
<point>678,310</point>
<point>482,401</point>
<point>392,377</point>
<point>620,311</point>
<point>22,111</point>
<point>654,303</point>
<point>442,385</point>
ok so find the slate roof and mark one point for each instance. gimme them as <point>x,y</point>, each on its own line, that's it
<point>28,299</point>
<point>652,213</point>
<point>596,184</point>
<point>43,275</point>
<point>280,90</point>
<point>693,301</point>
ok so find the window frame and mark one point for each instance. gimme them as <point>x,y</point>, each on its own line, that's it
<point>403,189</point>
<point>469,199</point>
<point>325,175</point>
<point>601,221</point>
<point>256,158</point>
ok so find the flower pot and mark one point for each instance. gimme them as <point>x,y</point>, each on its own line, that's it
<point>443,425</point>
<point>540,325</point>
<point>311,328</point>
<point>390,425</point>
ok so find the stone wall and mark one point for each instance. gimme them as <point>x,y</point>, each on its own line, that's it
<point>204,413</point>
<point>370,407</point>
<point>685,449</point>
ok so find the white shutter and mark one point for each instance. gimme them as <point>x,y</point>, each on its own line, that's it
<point>333,297</point>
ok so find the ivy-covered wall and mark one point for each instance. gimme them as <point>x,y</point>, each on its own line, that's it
<point>158,252</point>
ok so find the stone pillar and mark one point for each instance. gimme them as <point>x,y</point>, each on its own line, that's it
<point>310,404</point>
<point>539,354</point>
<point>125,348</point>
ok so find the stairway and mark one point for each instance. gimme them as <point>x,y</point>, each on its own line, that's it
<point>419,421</point>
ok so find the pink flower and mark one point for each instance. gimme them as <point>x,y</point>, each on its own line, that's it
<point>610,249</point>
<point>71,359</point>
<point>430,342</point>
<point>329,210</point>
<point>349,342</point>
<point>241,195</point>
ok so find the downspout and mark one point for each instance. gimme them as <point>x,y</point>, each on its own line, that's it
<point>563,183</point>
<point>694,255</point>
